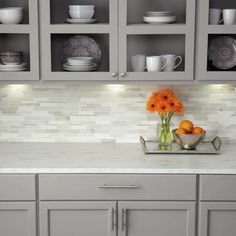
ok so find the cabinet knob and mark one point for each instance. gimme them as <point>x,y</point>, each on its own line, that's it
<point>114,74</point>
<point>123,75</point>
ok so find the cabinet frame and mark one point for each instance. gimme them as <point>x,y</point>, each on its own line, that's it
<point>203,30</point>
<point>30,207</point>
<point>187,29</point>
<point>47,29</point>
<point>205,208</point>
<point>124,207</point>
<point>31,29</point>
<point>45,208</point>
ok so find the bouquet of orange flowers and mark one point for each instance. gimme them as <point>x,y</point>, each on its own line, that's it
<point>166,104</point>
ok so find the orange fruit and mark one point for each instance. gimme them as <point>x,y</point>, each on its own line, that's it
<point>181,131</point>
<point>187,125</point>
<point>198,130</point>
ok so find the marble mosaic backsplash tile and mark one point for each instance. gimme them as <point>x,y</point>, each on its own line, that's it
<point>81,112</point>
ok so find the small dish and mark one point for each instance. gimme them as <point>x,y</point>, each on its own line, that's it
<point>222,52</point>
<point>81,21</point>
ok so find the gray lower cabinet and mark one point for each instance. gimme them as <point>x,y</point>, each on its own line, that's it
<point>106,218</point>
<point>17,219</point>
<point>157,218</point>
<point>217,219</point>
<point>78,218</point>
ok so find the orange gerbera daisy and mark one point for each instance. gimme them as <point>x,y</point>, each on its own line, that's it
<point>151,105</point>
<point>177,106</point>
<point>165,95</point>
<point>154,96</point>
<point>163,107</point>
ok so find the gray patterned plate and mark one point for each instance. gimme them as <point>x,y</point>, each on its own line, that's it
<point>222,52</point>
<point>81,46</point>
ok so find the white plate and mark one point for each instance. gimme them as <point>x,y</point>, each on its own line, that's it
<point>159,12</point>
<point>78,68</point>
<point>80,61</point>
<point>159,20</point>
<point>12,66</point>
<point>81,21</point>
<point>12,70</point>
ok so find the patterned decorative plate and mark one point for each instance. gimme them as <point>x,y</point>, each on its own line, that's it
<point>222,52</point>
<point>81,46</point>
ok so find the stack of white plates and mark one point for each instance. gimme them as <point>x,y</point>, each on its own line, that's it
<point>10,67</point>
<point>80,64</point>
<point>159,17</point>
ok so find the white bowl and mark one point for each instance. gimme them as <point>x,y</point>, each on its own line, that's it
<point>81,7</point>
<point>81,14</point>
<point>11,15</point>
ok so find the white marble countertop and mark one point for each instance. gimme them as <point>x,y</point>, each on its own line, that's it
<point>108,158</point>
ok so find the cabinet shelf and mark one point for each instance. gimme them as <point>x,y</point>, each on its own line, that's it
<point>16,29</point>
<point>85,28</point>
<point>156,29</point>
<point>157,76</point>
<point>221,29</point>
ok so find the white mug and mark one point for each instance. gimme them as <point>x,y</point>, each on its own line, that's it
<point>214,16</point>
<point>172,62</point>
<point>229,16</point>
<point>138,63</point>
<point>155,63</point>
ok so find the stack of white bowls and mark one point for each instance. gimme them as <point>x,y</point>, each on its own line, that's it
<point>80,64</point>
<point>159,17</point>
<point>81,14</point>
<point>11,15</point>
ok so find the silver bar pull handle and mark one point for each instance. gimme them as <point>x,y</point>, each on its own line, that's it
<point>123,219</point>
<point>119,186</point>
<point>113,219</point>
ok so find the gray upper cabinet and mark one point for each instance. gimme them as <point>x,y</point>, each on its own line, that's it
<point>17,219</point>
<point>217,219</point>
<point>55,32</point>
<point>78,218</point>
<point>136,37</point>
<point>206,33</point>
<point>157,218</point>
<point>22,37</point>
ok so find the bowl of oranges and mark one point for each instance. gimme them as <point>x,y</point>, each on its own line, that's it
<point>188,136</point>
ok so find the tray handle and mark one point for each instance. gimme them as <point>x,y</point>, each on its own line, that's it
<point>216,142</point>
<point>142,140</point>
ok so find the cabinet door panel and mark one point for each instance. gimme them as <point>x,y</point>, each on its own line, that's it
<point>17,219</point>
<point>157,218</point>
<point>77,218</point>
<point>217,219</point>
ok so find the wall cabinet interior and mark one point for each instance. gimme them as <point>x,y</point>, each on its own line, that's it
<point>21,37</point>
<point>59,12</point>
<point>136,9</point>
<point>206,68</point>
<point>154,44</point>
<point>58,40</point>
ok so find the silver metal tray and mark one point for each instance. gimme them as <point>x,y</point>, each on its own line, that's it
<point>206,147</point>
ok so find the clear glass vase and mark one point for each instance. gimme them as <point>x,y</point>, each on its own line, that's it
<point>164,134</point>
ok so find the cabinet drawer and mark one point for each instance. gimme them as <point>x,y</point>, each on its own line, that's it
<point>117,187</point>
<point>17,187</point>
<point>218,188</point>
